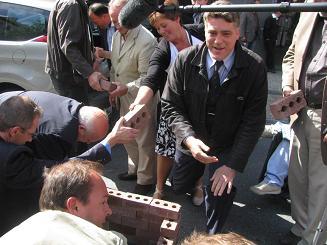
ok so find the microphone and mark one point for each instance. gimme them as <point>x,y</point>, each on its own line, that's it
<point>135,11</point>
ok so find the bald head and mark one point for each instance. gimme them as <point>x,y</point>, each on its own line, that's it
<point>93,124</point>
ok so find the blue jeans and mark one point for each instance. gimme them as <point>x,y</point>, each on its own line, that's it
<point>277,168</point>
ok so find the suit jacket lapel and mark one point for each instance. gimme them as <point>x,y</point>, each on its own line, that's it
<point>130,41</point>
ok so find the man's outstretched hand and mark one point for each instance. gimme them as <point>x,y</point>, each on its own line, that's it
<point>121,134</point>
<point>199,149</point>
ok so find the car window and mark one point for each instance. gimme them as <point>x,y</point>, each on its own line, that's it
<point>21,23</point>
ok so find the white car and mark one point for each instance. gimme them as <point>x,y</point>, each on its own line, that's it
<point>23,45</point>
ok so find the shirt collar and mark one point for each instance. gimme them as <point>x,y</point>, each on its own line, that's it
<point>228,61</point>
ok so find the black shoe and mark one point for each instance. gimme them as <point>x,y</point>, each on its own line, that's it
<point>126,176</point>
<point>142,189</point>
<point>289,239</point>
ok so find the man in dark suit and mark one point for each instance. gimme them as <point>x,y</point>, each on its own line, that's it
<point>21,165</point>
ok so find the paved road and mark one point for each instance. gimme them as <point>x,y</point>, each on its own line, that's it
<point>260,219</point>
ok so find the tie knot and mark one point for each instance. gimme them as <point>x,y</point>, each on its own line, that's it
<point>218,64</point>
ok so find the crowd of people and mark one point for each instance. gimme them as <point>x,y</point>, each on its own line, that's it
<point>205,91</point>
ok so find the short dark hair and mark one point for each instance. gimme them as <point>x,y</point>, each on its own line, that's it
<point>18,111</point>
<point>98,9</point>
<point>231,17</point>
<point>70,179</point>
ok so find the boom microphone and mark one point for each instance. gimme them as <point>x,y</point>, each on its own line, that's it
<point>135,11</point>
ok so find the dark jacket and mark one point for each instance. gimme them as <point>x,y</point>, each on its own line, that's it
<point>240,111</point>
<point>70,43</point>
<point>270,29</point>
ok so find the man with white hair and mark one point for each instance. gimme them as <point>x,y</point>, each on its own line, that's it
<point>131,51</point>
<point>30,142</point>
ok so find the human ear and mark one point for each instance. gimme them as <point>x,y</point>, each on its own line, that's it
<point>81,131</point>
<point>72,205</point>
<point>14,131</point>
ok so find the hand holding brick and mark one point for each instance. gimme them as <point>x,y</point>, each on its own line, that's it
<point>107,86</point>
<point>286,106</point>
<point>137,117</point>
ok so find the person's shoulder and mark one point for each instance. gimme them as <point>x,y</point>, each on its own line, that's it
<point>191,51</point>
<point>144,39</point>
<point>196,30</point>
<point>13,155</point>
<point>145,33</point>
<point>8,148</point>
<point>67,6</point>
<point>251,55</point>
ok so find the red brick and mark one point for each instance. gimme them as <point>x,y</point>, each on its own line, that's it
<point>142,214</point>
<point>165,241</point>
<point>132,222</point>
<point>115,218</point>
<point>169,229</point>
<point>154,228</point>
<point>116,198</point>
<point>123,211</point>
<point>167,210</point>
<point>155,219</point>
<point>136,118</point>
<point>286,106</point>
<point>108,86</point>
<point>137,202</point>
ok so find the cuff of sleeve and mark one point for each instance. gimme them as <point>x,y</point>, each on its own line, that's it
<point>107,146</point>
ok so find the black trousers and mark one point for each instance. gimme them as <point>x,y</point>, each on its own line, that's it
<point>185,173</point>
<point>270,53</point>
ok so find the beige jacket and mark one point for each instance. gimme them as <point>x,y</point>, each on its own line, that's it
<point>131,63</point>
<point>54,227</point>
<point>293,62</point>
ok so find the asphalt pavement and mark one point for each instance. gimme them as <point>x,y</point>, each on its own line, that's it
<point>261,219</point>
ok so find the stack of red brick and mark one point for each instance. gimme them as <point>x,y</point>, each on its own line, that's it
<point>142,219</point>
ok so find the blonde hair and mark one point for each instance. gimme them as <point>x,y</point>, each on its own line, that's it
<point>230,238</point>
